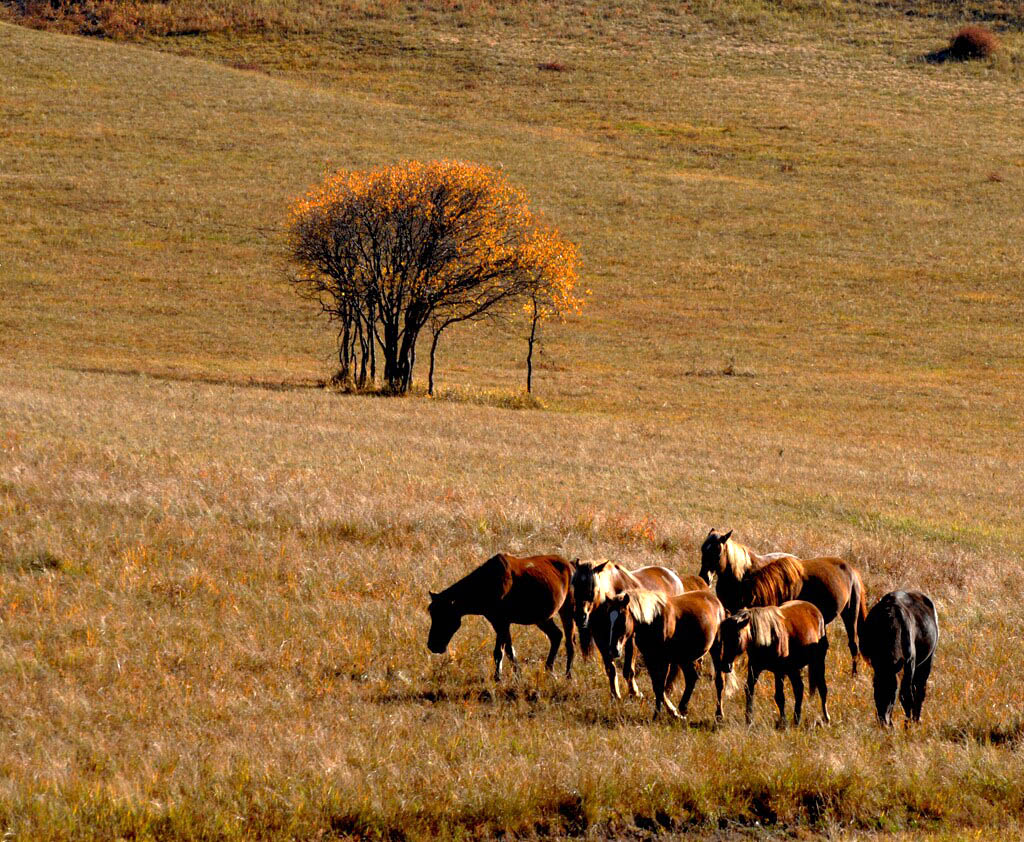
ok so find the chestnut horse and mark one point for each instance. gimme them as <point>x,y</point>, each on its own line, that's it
<point>595,582</point>
<point>783,639</point>
<point>673,633</point>
<point>745,580</point>
<point>505,590</point>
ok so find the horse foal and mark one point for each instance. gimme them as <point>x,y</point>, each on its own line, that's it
<point>782,639</point>
<point>900,633</point>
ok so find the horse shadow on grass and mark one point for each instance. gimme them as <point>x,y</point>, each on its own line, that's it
<point>939,56</point>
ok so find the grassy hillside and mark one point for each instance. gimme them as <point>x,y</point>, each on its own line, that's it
<point>805,247</point>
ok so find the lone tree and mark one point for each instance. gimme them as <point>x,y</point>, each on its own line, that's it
<point>391,251</point>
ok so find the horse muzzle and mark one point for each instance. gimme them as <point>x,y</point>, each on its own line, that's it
<point>726,669</point>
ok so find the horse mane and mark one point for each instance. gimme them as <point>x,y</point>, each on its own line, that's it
<point>644,605</point>
<point>777,582</point>
<point>602,580</point>
<point>737,559</point>
<point>767,626</point>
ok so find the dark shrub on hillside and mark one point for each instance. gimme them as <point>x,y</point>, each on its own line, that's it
<point>973,42</point>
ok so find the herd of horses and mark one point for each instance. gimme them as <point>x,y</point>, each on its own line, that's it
<point>773,608</point>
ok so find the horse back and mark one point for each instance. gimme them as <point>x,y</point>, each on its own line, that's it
<point>804,622</point>
<point>900,626</point>
<point>660,580</point>
<point>537,587</point>
<point>828,584</point>
<point>694,583</point>
<point>692,619</point>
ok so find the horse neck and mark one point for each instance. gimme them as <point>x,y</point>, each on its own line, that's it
<point>466,594</point>
<point>608,583</point>
<point>646,608</point>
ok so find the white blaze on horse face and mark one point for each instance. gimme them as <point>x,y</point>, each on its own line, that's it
<point>612,620</point>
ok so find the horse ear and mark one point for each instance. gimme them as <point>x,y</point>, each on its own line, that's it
<point>433,596</point>
<point>725,537</point>
<point>600,567</point>
<point>625,599</point>
<point>742,620</point>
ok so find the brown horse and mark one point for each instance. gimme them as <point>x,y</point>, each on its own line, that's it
<point>673,633</point>
<point>749,580</point>
<point>783,639</point>
<point>506,590</point>
<point>594,583</point>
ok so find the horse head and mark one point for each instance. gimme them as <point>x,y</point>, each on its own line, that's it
<point>445,620</point>
<point>712,554</point>
<point>620,623</point>
<point>585,591</point>
<point>734,636</point>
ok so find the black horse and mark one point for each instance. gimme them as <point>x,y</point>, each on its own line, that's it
<point>900,633</point>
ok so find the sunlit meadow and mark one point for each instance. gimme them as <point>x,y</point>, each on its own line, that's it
<point>804,243</point>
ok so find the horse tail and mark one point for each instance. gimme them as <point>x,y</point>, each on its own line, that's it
<point>586,641</point>
<point>861,608</point>
<point>816,669</point>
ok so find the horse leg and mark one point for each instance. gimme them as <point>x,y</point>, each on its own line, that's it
<point>673,676</point>
<point>716,660</point>
<point>920,681</point>
<point>780,698</point>
<point>849,615</point>
<point>885,694</point>
<point>569,624</point>
<point>550,628</point>
<point>816,673</point>
<point>501,635</point>
<point>690,675</point>
<point>510,650</point>
<point>797,680</point>
<point>611,671</point>
<point>658,669</point>
<point>629,668</point>
<point>907,689</point>
<point>752,675</point>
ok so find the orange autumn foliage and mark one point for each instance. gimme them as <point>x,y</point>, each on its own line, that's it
<point>388,251</point>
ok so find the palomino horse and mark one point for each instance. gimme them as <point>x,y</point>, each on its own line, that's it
<point>673,633</point>
<point>746,579</point>
<point>900,633</point>
<point>783,639</point>
<point>506,590</point>
<point>593,583</point>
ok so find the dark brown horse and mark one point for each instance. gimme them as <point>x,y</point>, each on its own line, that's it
<point>782,639</point>
<point>506,590</point>
<point>900,635</point>
<point>593,584</point>
<point>745,580</point>
<point>673,633</point>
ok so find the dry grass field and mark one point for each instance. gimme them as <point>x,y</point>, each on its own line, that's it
<point>805,246</point>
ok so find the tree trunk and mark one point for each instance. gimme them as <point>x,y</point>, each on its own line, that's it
<point>529,353</point>
<point>433,352</point>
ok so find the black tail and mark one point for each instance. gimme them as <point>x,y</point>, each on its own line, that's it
<point>816,669</point>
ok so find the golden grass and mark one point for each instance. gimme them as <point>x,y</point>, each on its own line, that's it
<point>212,584</point>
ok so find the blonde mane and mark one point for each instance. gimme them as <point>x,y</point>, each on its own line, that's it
<point>644,605</point>
<point>767,630</point>
<point>737,559</point>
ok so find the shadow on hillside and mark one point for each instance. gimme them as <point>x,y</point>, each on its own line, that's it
<point>181,377</point>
